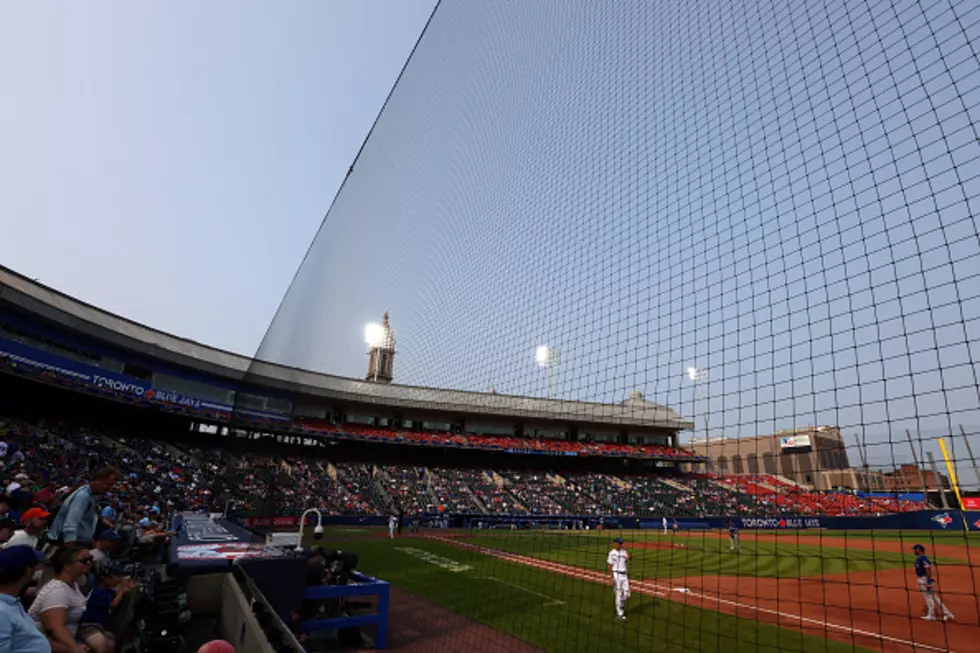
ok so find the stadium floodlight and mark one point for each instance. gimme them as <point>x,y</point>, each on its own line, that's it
<point>699,376</point>
<point>374,335</point>
<point>547,357</point>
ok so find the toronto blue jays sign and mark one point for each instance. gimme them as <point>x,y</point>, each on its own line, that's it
<point>943,520</point>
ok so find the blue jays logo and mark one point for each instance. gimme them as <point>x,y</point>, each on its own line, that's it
<point>943,520</point>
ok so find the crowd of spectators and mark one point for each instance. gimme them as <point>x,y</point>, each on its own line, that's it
<point>533,492</point>
<point>408,488</point>
<point>453,490</point>
<point>492,497</point>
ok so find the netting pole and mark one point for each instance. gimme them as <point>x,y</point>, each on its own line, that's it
<point>918,468</point>
<point>939,480</point>
<point>969,451</point>
<point>864,462</point>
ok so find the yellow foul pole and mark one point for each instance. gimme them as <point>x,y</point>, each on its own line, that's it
<point>952,479</point>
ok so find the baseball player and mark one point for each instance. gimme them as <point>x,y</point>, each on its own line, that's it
<point>675,526</point>
<point>733,542</point>
<point>617,560</point>
<point>665,525</point>
<point>923,576</point>
<point>392,524</point>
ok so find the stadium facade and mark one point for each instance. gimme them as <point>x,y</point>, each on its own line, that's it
<point>53,337</point>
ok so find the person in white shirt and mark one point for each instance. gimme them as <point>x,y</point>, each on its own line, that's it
<point>392,523</point>
<point>665,525</point>
<point>617,560</point>
<point>34,520</point>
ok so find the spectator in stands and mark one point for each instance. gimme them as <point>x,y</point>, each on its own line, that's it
<point>76,521</point>
<point>47,497</point>
<point>4,505</point>
<point>317,572</point>
<point>59,605</point>
<point>34,520</point>
<point>106,543</point>
<point>109,591</point>
<point>7,528</point>
<point>18,633</point>
<point>109,514</point>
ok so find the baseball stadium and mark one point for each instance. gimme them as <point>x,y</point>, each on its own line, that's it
<point>684,362</point>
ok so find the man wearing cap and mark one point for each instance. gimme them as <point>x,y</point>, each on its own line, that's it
<point>923,576</point>
<point>106,543</point>
<point>18,633</point>
<point>33,520</point>
<point>617,560</point>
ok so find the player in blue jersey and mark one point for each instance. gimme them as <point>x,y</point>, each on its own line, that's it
<point>923,576</point>
<point>733,542</point>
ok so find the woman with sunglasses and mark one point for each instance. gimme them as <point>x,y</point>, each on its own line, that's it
<point>59,605</point>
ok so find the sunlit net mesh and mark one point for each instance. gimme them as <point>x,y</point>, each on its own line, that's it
<point>781,195</point>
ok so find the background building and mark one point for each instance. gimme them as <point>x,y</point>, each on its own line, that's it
<point>909,478</point>
<point>801,455</point>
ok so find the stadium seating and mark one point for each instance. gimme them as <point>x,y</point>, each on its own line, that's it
<point>162,477</point>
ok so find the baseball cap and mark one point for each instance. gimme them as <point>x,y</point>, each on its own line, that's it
<point>109,535</point>
<point>918,547</point>
<point>15,558</point>
<point>34,512</point>
<point>618,540</point>
<point>6,522</point>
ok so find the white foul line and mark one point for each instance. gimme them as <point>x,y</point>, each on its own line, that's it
<point>658,590</point>
<point>552,600</point>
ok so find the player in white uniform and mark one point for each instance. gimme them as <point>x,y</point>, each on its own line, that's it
<point>392,524</point>
<point>665,525</point>
<point>617,560</point>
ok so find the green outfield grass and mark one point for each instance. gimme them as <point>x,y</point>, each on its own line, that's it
<point>701,556</point>
<point>561,614</point>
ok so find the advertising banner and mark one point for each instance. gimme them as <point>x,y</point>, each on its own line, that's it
<point>795,442</point>
<point>99,379</point>
<point>971,503</point>
<point>24,355</point>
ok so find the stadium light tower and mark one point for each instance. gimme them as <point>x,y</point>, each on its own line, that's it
<point>548,358</point>
<point>700,376</point>
<point>380,339</point>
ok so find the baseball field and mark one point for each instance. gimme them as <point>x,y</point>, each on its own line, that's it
<point>787,591</point>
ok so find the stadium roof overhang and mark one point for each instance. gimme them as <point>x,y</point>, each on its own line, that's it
<point>67,312</point>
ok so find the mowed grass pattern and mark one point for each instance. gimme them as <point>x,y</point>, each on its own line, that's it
<point>701,555</point>
<point>561,614</point>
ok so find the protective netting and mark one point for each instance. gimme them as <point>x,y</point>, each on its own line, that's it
<point>762,215</point>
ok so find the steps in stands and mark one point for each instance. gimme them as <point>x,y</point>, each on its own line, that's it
<point>676,485</point>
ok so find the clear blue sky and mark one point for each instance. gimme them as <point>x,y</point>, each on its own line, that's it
<point>171,161</point>
<point>784,193</point>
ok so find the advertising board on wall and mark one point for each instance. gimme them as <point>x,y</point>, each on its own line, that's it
<point>97,378</point>
<point>794,442</point>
